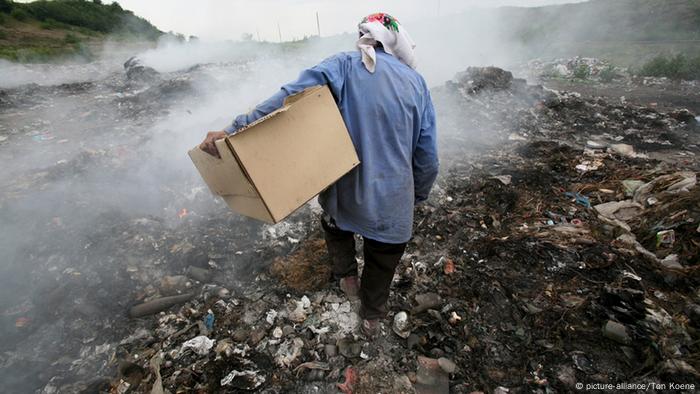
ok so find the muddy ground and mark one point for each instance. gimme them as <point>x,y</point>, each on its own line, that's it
<point>559,246</point>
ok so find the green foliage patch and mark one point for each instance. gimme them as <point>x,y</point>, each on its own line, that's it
<point>582,72</point>
<point>5,6</point>
<point>607,74</point>
<point>90,15</point>
<point>20,14</point>
<point>676,67</point>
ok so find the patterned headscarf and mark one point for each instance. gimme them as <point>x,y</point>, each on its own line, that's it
<point>385,29</point>
<point>387,20</point>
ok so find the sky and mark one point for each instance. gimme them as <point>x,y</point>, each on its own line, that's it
<point>230,19</point>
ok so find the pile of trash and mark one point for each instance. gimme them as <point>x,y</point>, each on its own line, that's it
<point>563,254</point>
<point>576,67</point>
<point>559,246</point>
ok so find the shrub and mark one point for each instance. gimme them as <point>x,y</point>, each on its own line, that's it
<point>71,38</point>
<point>607,74</point>
<point>3,35</point>
<point>6,6</point>
<point>674,67</point>
<point>51,24</point>
<point>90,15</point>
<point>19,14</point>
<point>582,72</point>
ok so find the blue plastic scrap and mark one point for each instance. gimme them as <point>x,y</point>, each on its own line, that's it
<point>580,199</point>
<point>209,320</point>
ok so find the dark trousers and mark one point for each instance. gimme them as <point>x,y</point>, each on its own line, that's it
<point>381,260</point>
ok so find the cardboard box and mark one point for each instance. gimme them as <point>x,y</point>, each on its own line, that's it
<point>277,164</point>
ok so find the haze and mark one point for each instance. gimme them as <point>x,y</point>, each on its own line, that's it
<point>222,19</point>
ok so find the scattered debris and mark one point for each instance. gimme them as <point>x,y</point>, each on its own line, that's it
<point>200,345</point>
<point>559,246</point>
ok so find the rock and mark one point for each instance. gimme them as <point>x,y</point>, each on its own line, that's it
<point>330,350</point>
<point>401,326</point>
<point>693,312</point>
<point>348,348</point>
<point>199,274</point>
<point>430,378</point>
<point>426,301</point>
<point>616,332</point>
<point>447,365</point>
<point>172,285</point>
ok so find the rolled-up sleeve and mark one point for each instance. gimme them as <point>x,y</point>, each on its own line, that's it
<point>330,72</point>
<point>425,156</point>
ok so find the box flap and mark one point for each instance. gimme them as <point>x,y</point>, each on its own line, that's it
<point>289,100</point>
<point>275,154</point>
<point>249,206</point>
<point>225,178</point>
<point>264,118</point>
<point>223,175</point>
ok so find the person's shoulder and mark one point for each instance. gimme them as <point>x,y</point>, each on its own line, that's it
<point>343,56</point>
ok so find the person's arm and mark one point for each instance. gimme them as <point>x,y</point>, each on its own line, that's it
<point>425,156</point>
<point>330,72</point>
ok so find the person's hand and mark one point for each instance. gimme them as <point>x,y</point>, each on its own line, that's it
<point>209,146</point>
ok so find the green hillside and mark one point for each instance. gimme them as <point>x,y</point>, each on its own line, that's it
<point>45,30</point>
<point>627,31</point>
<point>606,20</point>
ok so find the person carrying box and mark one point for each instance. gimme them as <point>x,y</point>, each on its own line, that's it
<point>386,106</point>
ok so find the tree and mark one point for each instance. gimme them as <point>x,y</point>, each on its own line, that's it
<point>246,37</point>
<point>6,6</point>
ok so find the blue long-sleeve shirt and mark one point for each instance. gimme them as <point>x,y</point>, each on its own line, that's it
<point>391,120</point>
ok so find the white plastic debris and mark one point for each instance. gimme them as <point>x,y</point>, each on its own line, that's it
<point>271,316</point>
<point>305,302</point>
<point>302,309</point>
<point>342,317</point>
<point>288,352</point>
<point>504,179</point>
<point>200,345</point>
<point>253,377</point>
<point>401,325</point>
<point>626,150</point>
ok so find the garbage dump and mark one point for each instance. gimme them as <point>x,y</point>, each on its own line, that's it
<point>560,246</point>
